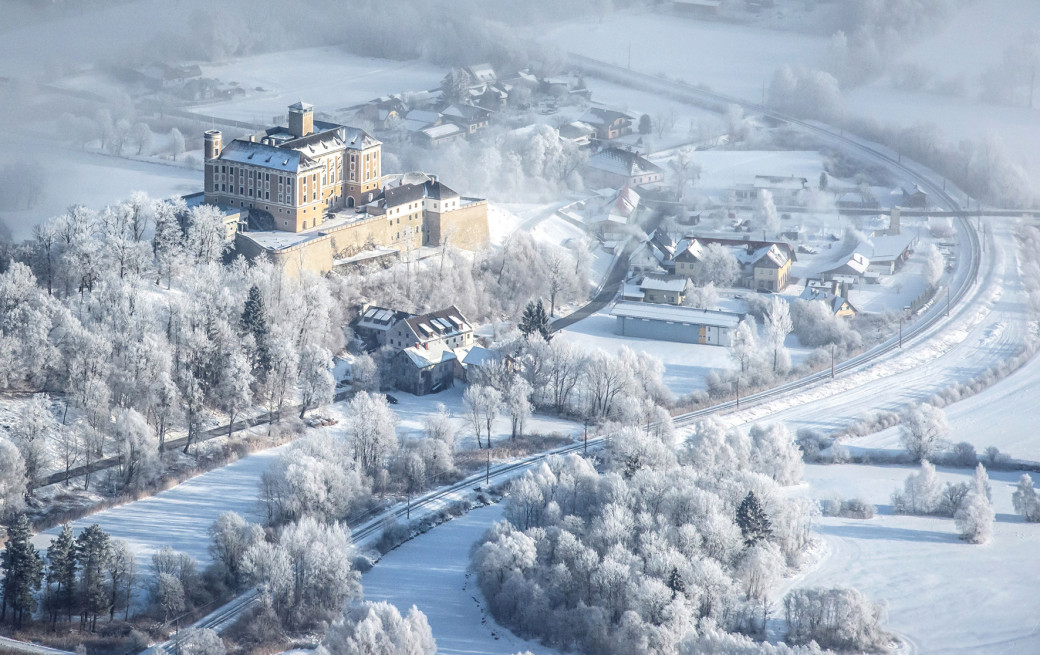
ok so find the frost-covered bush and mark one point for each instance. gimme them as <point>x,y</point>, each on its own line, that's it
<point>960,454</point>
<point>854,508</point>
<point>921,494</point>
<point>841,619</point>
<point>1025,499</point>
<point>974,518</point>
<point>923,431</point>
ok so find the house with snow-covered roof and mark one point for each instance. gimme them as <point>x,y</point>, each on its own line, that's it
<point>374,323</point>
<point>770,268</point>
<point>839,305</point>
<point>664,290</point>
<point>851,269</point>
<point>609,123</point>
<point>617,167</point>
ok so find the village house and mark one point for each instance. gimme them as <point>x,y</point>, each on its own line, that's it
<point>664,290</point>
<point>374,323</point>
<point>671,323</point>
<point>888,252</point>
<point>915,198</point>
<point>608,123</point>
<point>832,293</point>
<point>468,117</point>
<point>849,271</point>
<point>616,167</point>
<point>425,359</point>
<point>770,268</point>
<point>785,189</point>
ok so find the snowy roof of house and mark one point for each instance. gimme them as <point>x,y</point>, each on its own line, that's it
<point>675,314</point>
<point>443,322</point>
<point>856,263</point>
<point>834,301</point>
<point>888,248</point>
<point>602,116</point>
<point>664,284</point>
<point>441,131</point>
<point>423,116</point>
<point>788,182</point>
<point>301,106</point>
<point>627,201</point>
<point>622,162</point>
<point>631,291</point>
<point>380,318</point>
<point>477,356</point>
<point>689,248</point>
<point>482,73</point>
<point>422,357</point>
<point>466,112</point>
<point>769,256</point>
<point>576,130</point>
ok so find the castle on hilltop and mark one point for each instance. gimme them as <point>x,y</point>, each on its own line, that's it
<point>316,196</point>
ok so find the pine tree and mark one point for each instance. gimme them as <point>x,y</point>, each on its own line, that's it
<point>675,583</point>
<point>254,321</point>
<point>534,319</point>
<point>61,571</point>
<point>23,571</point>
<point>93,550</point>
<point>752,519</point>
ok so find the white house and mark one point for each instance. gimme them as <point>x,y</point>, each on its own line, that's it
<point>671,323</point>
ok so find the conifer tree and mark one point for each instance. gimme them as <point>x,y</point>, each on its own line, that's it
<point>534,319</point>
<point>23,571</point>
<point>752,520</point>
<point>93,550</point>
<point>61,571</point>
<point>675,583</point>
<point>254,321</point>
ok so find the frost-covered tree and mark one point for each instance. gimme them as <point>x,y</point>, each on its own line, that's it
<point>518,404</point>
<point>12,479</point>
<point>743,347</point>
<point>718,266</point>
<point>774,453</point>
<point>61,574</point>
<point>230,537</point>
<point>933,264</point>
<point>778,325</point>
<point>974,518</point>
<point>378,628</point>
<point>93,552</point>
<point>176,143</point>
<point>200,641</point>
<point>1025,499</point>
<point>923,430</point>
<point>137,449</point>
<point>438,426</point>
<point>30,433</point>
<point>371,431</point>
<point>316,382</point>
<point>303,576</point>
<point>922,492</point>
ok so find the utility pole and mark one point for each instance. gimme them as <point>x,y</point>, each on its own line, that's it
<point>738,393</point>
<point>586,435</point>
<point>900,331</point>
<point>947,301</point>
<point>409,512</point>
<point>487,471</point>
<point>832,361</point>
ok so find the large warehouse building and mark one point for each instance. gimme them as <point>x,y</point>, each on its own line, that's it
<point>671,323</point>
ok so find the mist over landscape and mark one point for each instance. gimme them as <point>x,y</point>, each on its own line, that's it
<point>561,326</point>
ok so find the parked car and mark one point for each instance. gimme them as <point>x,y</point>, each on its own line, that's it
<point>390,399</point>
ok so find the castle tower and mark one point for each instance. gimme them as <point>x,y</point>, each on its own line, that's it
<point>212,147</point>
<point>301,119</point>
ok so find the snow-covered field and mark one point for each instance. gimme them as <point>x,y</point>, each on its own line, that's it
<point>685,364</point>
<point>328,78</point>
<point>943,595</point>
<point>77,177</point>
<point>730,58</point>
<point>180,517</point>
<point>430,573</point>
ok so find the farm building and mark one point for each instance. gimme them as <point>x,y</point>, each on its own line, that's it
<point>670,323</point>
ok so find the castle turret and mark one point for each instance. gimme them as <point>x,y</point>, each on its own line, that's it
<point>301,119</point>
<point>213,144</point>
